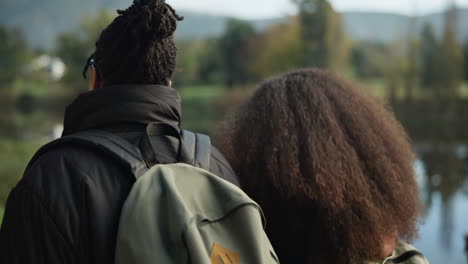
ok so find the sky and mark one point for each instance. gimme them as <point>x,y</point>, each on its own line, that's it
<point>274,8</point>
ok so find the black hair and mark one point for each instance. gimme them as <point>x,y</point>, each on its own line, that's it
<point>138,46</point>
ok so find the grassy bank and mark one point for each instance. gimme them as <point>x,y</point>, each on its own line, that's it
<point>379,88</point>
<point>203,107</point>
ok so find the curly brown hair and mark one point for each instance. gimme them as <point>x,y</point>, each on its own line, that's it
<point>330,166</point>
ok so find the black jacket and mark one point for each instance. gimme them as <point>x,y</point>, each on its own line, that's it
<point>66,207</point>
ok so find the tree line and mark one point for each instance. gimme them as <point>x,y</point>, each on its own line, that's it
<point>417,65</point>
<point>313,38</point>
<point>420,64</point>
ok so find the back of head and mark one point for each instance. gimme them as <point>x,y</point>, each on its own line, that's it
<point>138,46</point>
<point>331,168</point>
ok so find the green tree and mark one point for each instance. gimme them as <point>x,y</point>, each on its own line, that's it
<point>187,62</point>
<point>450,59</point>
<point>14,55</point>
<point>412,69</point>
<point>322,34</point>
<point>369,59</point>
<point>236,52</point>
<point>209,62</point>
<point>76,46</point>
<point>198,62</point>
<point>394,69</point>
<point>465,57</point>
<point>339,43</point>
<point>275,57</point>
<point>429,51</point>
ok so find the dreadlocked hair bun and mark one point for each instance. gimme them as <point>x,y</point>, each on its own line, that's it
<point>157,18</point>
<point>138,46</point>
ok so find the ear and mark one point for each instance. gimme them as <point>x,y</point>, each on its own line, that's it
<point>96,81</point>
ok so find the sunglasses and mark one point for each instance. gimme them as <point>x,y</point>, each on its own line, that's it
<point>90,63</point>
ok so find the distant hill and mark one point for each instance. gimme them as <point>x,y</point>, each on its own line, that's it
<point>196,25</point>
<point>43,20</point>
<point>361,26</point>
<point>385,27</point>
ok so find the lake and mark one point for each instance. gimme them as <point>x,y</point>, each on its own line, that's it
<point>442,175</point>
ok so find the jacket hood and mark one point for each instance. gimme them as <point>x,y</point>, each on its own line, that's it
<point>123,104</point>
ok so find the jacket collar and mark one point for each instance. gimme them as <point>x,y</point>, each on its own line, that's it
<point>123,104</point>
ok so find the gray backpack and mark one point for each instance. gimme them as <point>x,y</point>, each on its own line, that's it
<point>181,213</point>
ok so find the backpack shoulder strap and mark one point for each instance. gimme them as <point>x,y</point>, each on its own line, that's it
<point>198,147</point>
<point>117,147</point>
<point>406,256</point>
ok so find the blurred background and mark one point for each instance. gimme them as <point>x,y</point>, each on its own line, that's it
<point>413,55</point>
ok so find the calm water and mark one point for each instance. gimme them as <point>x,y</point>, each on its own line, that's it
<point>442,174</point>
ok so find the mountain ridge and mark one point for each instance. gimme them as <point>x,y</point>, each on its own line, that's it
<point>43,20</point>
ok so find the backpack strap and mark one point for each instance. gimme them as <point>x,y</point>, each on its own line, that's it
<point>406,256</point>
<point>198,147</point>
<point>117,147</point>
<point>195,149</point>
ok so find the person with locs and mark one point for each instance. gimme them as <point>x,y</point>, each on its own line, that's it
<point>66,207</point>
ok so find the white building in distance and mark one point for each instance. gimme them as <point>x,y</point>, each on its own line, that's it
<point>52,65</point>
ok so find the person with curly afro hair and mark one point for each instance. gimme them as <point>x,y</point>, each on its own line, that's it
<point>331,168</point>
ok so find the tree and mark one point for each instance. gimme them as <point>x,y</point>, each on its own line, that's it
<point>187,62</point>
<point>314,23</point>
<point>465,57</point>
<point>450,59</point>
<point>236,52</point>
<point>429,51</point>
<point>198,62</point>
<point>412,69</point>
<point>339,44</point>
<point>394,70</point>
<point>209,62</point>
<point>14,54</point>
<point>75,47</point>
<point>369,59</point>
<point>281,49</point>
<point>323,37</point>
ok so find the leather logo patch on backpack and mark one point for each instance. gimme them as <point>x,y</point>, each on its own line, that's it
<point>221,255</point>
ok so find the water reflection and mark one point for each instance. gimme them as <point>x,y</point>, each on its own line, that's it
<point>442,174</point>
<point>466,247</point>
